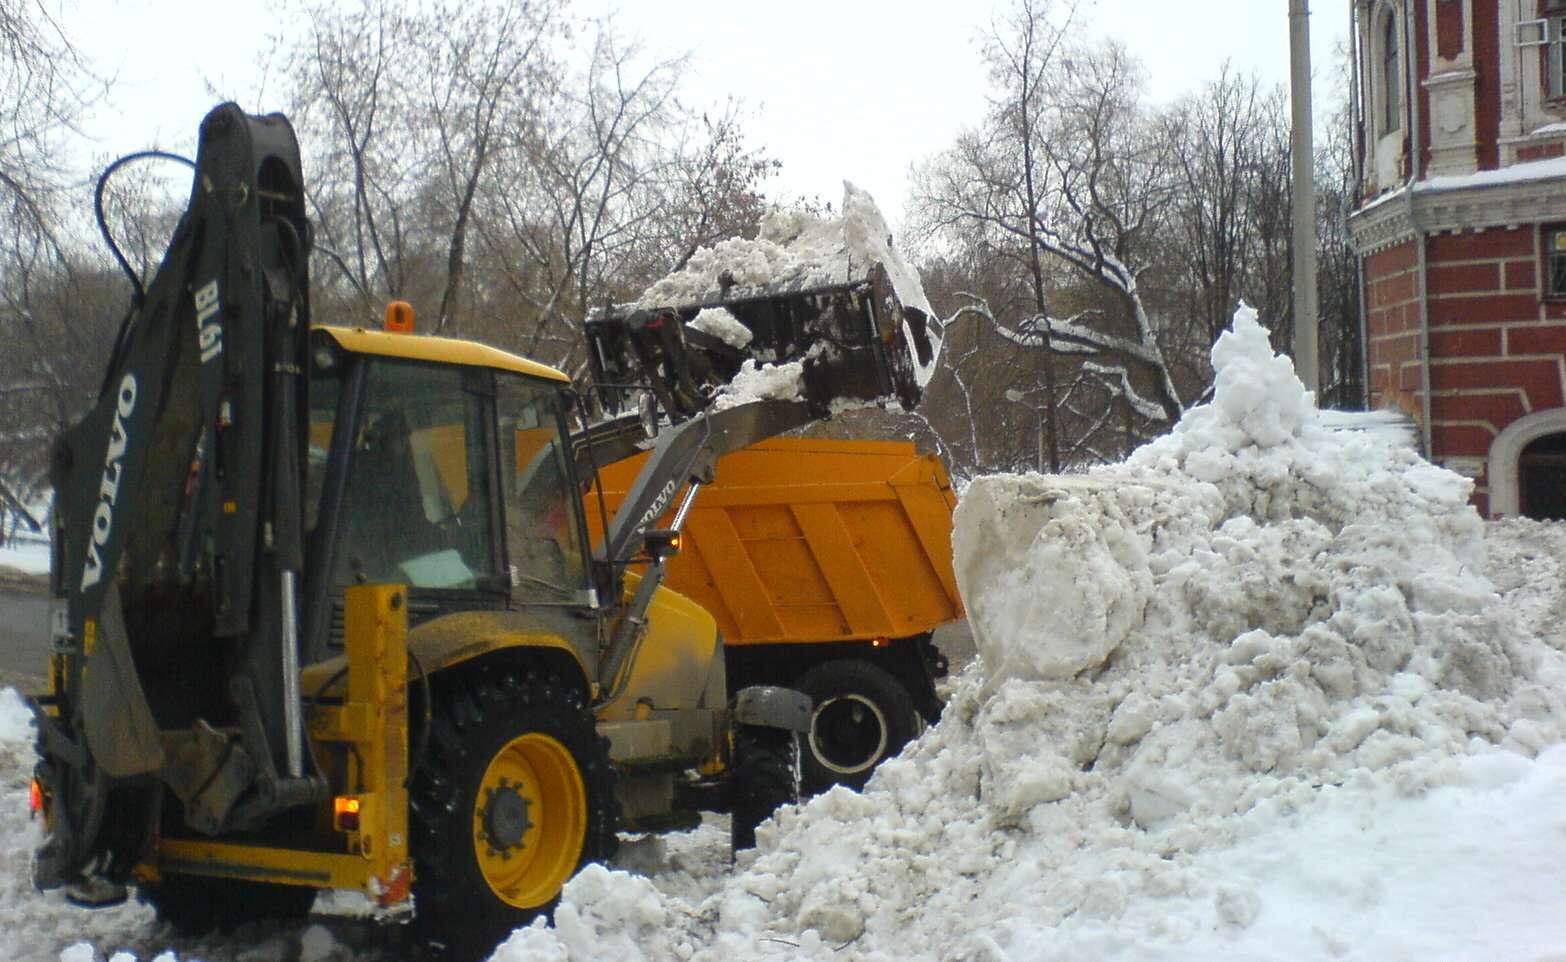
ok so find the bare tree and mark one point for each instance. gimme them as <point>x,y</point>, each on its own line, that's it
<point>44,87</point>
<point>483,64</point>
<point>1225,139</point>
<point>716,188</point>
<point>987,189</point>
<point>351,108</point>
<point>1072,222</point>
<point>1337,268</point>
<point>1111,189</point>
<point>586,191</point>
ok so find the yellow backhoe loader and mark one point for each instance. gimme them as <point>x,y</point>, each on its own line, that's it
<point>326,613</point>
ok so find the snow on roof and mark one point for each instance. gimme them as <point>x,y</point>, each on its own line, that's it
<point>1548,169</point>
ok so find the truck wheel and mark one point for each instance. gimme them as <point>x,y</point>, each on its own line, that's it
<point>862,715</point>
<point>764,775</point>
<point>514,794</point>
<point>192,905</point>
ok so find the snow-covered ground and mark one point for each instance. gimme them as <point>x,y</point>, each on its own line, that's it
<point>1263,691</point>
<point>29,556</point>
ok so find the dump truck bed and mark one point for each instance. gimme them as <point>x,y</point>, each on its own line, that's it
<point>810,541</point>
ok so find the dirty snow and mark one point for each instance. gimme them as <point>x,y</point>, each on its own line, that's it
<point>1263,691</point>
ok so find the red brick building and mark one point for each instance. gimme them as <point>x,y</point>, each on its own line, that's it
<point>1461,235</point>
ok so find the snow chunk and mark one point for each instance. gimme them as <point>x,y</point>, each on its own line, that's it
<point>16,721</point>
<point>721,325</point>
<point>781,382</point>
<point>1052,577</point>
<point>604,902</point>
<point>316,944</point>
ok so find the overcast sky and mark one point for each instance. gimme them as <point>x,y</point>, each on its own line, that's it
<point>835,89</point>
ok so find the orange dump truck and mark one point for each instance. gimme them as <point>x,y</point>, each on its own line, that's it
<point>827,564</point>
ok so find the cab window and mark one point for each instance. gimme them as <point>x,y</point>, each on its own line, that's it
<point>542,507</point>
<point>417,508</point>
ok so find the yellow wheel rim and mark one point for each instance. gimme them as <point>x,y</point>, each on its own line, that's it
<point>529,820</point>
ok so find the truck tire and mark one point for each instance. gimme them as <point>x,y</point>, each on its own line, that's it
<point>192,905</point>
<point>764,774</point>
<point>862,715</point>
<point>514,794</point>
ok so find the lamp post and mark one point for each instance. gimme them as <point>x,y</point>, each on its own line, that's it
<point>1304,197</point>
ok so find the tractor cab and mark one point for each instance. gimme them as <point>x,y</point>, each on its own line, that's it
<point>444,466</point>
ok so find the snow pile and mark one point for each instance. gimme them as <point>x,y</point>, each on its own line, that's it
<point>800,250</point>
<point>1245,695</point>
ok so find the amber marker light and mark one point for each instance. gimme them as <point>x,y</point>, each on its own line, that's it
<point>345,813</point>
<point>399,318</point>
<point>35,799</point>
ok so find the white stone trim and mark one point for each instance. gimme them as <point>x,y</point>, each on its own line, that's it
<point>1507,448</point>
<point>1423,211</point>
<point>1453,149</point>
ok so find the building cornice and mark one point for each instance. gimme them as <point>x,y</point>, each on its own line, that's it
<point>1431,209</point>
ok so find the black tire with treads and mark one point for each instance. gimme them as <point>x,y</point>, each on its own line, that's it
<point>861,715</point>
<point>762,777</point>
<point>467,812</point>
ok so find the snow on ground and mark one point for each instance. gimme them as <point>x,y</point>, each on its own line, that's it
<point>1263,691</point>
<point>26,555</point>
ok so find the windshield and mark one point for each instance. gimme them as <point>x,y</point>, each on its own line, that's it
<point>542,508</point>
<point>417,507</point>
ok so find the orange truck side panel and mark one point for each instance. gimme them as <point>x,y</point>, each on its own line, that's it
<point>806,540</point>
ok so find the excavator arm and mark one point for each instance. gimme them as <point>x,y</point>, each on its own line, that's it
<point>179,535</point>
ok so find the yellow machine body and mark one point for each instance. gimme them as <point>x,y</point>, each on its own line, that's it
<point>359,728</point>
<point>665,713</point>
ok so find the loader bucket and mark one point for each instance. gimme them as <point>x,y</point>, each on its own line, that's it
<point>855,340</point>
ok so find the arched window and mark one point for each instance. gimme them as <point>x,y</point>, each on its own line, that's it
<point>1391,98</point>
<point>1520,473</point>
<point>1541,479</point>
